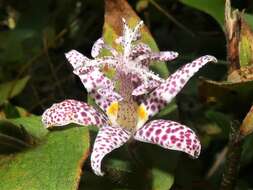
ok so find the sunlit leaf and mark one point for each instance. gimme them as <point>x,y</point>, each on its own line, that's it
<point>54,162</point>
<point>245,45</point>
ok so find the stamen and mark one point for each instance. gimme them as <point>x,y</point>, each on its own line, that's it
<point>112,112</point>
<point>142,116</point>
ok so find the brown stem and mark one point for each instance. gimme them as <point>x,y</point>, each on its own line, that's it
<point>232,164</point>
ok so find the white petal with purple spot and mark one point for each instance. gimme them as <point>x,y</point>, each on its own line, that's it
<point>99,45</point>
<point>164,56</point>
<point>170,135</point>
<point>108,139</point>
<point>76,59</point>
<point>104,98</point>
<point>95,79</point>
<point>145,88</point>
<point>129,36</point>
<point>72,111</point>
<point>163,94</point>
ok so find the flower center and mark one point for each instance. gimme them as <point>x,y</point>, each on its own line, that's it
<point>127,115</point>
<point>127,108</point>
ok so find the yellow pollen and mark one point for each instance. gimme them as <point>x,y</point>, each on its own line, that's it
<point>112,110</point>
<point>142,113</point>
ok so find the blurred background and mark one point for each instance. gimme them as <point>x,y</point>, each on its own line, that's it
<point>34,35</point>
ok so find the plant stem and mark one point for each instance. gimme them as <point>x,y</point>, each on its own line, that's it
<point>232,164</point>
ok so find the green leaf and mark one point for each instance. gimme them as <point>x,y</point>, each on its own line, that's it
<point>160,163</point>
<point>245,45</point>
<point>55,161</point>
<point>10,111</point>
<point>247,125</point>
<point>120,165</point>
<point>10,89</point>
<point>245,51</point>
<point>249,19</point>
<point>222,120</point>
<point>214,8</point>
<point>161,180</point>
<point>247,153</point>
<point>12,44</point>
<point>13,138</point>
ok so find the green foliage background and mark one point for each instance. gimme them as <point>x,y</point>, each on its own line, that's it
<point>34,35</point>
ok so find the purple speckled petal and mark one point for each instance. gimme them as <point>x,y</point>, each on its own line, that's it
<point>170,135</point>
<point>72,111</point>
<point>99,45</point>
<point>95,79</point>
<point>96,64</point>
<point>173,85</point>
<point>104,98</point>
<point>76,59</point>
<point>108,139</point>
<point>129,36</point>
<point>141,53</point>
<point>136,81</point>
<point>105,92</point>
<point>146,88</point>
<point>164,56</point>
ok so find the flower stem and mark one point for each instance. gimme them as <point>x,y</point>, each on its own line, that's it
<point>232,164</point>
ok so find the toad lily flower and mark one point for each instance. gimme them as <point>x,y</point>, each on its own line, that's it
<point>128,99</point>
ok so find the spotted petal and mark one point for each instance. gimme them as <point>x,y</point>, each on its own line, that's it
<point>145,88</point>
<point>129,36</point>
<point>104,97</point>
<point>89,71</point>
<point>173,85</point>
<point>95,79</point>
<point>108,93</point>
<point>170,135</point>
<point>99,86</point>
<point>76,59</point>
<point>72,111</point>
<point>108,139</point>
<point>140,49</point>
<point>99,45</point>
<point>141,53</point>
<point>164,56</point>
